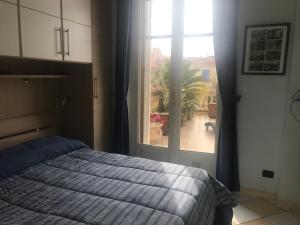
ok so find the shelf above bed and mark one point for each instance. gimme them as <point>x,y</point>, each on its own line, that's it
<point>34,76</point>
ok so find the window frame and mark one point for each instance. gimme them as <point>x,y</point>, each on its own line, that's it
<point>177,38</point>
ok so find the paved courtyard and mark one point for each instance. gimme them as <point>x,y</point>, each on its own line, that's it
<point>193,135</point>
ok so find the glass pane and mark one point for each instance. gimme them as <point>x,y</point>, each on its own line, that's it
<point>198,47</point>
<point>155,101</point>
<point>198,96</point>
<point>198,17</point>
<point>159,17</point>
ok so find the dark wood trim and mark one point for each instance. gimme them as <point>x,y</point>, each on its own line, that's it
<point>33,76</point>
<point>20,29</point>
<point>26,132</point>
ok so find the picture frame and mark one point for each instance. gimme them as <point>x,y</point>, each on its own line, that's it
<point>266,49</point>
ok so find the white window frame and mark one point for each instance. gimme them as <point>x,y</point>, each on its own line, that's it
<point>177,38</point>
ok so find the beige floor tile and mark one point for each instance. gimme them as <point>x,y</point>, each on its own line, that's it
<point>283,219</point>
<point>258,222</point>
<point>242,197</point>
<point>241,214</point>
<point>296,214</point>
<point>273,201</point>
<point>261,207</point>
<point>259,194</point>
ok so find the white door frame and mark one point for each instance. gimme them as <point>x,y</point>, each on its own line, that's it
<point>173,152</point>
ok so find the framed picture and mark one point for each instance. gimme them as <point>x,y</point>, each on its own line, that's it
<point>265,50</point>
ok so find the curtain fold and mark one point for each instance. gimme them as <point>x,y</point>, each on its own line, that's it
<point>123,33</point>
<point>225,14</point>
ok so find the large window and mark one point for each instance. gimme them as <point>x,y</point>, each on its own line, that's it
<point>178,30</point>
<point>156,78</point>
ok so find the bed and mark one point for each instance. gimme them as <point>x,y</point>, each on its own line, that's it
<point>58,181</point>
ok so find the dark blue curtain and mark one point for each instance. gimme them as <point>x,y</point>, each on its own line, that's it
<point>225,32</point>
<point>123,29</point>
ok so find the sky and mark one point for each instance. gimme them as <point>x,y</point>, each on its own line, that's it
<point>197,19</point>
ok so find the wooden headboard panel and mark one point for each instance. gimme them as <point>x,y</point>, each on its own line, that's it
<point>17,130</point>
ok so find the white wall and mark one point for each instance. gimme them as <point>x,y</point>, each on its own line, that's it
<point>262,110</point>
<point>289,186</point>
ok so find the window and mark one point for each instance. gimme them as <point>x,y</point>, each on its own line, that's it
<point>156,86</point>
<point>199,81</point>
<point>191,63</point>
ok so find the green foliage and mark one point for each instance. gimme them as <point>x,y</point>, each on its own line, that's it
<point>160,85</point>
<point>193,86</point>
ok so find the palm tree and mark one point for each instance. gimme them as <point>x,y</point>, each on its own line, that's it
<point>160,85</point>
<point>193,86</point>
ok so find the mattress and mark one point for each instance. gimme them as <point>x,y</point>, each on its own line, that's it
<point>64,182</point>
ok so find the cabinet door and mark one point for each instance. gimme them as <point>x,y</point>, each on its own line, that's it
<point>51,7</point>
<point>77,10</point>
<point>77,42</point>
<point>12,1</point>
<point>9,33</point>
<point>40,35</point>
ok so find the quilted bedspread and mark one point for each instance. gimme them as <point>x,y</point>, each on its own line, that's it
<point>91,187</point>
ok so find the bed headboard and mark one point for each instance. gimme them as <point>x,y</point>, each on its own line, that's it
<point>14,131</point>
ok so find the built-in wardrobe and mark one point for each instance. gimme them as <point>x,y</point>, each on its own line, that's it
<point>56,59</point>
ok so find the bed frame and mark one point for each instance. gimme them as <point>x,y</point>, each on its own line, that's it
<point>14,131</point>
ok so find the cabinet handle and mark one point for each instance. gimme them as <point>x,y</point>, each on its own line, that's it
<point>59,43</point>
<point>95,87</point>
<point>68,42</point>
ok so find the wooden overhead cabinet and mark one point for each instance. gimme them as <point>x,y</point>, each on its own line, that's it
<point>54,33</point>
<point>78,11</point>
<point>77,42</point>
<point>9,32</point>
<point>41,35</point>
<point>12,1</point>
<point>76,16</point>
<point>51,7</point>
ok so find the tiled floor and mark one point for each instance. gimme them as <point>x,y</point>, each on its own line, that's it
<point>193,135</point>
<point>259,211</point>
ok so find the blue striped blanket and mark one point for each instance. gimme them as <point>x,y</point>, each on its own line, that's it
<point>91,187</point>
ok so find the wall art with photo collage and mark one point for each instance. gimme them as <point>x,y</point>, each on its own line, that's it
<point>265,50</point>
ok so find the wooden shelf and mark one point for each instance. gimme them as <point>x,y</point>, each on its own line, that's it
<point>34,76</point>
